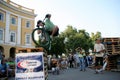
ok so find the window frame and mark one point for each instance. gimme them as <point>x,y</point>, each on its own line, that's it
<point>28,21</point>
<point>14,36</point>
<point>2,35</point>
<point>11,20</point>
<point>3,16</point>
<point>26,39</point>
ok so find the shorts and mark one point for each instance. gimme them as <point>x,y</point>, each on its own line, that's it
<point>99,61</point>
<point>56,34</point>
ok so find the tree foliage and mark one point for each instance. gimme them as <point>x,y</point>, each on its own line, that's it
<point>58,46</point>
<point>77,38</point>
<point>72,38</point>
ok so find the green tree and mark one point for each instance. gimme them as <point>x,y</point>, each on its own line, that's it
<point>79,38</point>
<point>96,35</point>
<point>58,46</point>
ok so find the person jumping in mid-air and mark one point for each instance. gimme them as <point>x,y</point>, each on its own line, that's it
<point>52,29</point>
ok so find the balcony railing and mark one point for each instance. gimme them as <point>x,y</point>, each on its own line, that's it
<point>19,6</point>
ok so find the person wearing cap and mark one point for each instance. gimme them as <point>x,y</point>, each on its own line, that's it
<point>99,49</point>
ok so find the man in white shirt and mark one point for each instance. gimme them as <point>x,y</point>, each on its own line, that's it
<point>99,49</point>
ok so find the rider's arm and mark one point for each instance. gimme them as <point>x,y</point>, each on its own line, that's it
<point>39,31</point>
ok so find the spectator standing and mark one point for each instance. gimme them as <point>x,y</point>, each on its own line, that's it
<point>82,61</point>
<point>71,59</point>
<point>76,58</point>
<point>99,49</point>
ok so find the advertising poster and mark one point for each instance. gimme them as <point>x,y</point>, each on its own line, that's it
<point>30,66</point>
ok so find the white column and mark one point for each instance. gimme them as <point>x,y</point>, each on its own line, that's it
<point>7,35</point>
<point>19,31</point>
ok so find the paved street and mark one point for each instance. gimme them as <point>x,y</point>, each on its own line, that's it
<point>75,74</point>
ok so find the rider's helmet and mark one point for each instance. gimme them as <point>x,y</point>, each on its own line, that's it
<point>47,15</point>
<point>39,21</point>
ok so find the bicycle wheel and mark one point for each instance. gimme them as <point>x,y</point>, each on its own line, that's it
<point>38,38</point>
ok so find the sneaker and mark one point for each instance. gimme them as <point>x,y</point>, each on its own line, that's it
<point>96,72</point>
<point>51,37</point>
<point>43,39</point>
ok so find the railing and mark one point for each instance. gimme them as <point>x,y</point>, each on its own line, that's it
<point>19,6</point>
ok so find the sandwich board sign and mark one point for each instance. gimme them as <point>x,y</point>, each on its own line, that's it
<point>29,66</point>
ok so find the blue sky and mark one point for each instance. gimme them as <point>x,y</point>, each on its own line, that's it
<point>91,15</point>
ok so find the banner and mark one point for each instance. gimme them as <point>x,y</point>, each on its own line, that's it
<point>30,66</point>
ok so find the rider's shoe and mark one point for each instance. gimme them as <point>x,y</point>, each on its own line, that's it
<point>96,72</point>
<point>51,37</point>
<point>43,39</point>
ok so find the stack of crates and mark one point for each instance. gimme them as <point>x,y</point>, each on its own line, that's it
<point>112,46</point>
<point>28,50</point>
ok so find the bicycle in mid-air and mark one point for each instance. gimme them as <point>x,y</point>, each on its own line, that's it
<point>42,39</point>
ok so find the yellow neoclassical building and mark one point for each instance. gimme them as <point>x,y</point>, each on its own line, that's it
<point>16,25</point>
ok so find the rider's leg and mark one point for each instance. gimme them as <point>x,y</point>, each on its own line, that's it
<point>55,29</point>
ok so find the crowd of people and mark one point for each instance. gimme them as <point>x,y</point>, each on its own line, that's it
<point>80,59</point>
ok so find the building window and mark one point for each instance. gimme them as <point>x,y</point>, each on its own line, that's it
<point>27,24</point>
<point>1,16</point>
<point>1,35</point>
<point>28,38</point>
<point>13,20</point>
<point>12,37</point>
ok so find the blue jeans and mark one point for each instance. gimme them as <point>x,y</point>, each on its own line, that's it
<point>82,63</point>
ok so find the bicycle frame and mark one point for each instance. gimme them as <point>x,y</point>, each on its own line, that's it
<point>47,43</point>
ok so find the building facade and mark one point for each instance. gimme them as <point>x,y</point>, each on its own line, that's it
<point>16,25</point>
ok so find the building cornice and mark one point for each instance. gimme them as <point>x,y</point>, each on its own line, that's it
<point>16,14</point>
<point>17,9</point>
